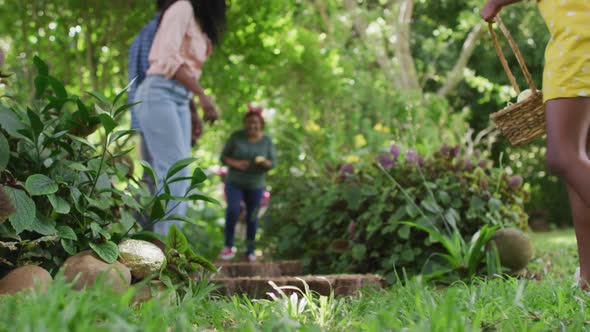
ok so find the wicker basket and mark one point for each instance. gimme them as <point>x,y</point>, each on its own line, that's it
<point>524,121</point>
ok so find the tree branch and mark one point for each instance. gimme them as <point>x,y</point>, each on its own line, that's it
<point>402,46</point>
<point>359,25</point>
<point>455,76</point>
<point>321,6</point>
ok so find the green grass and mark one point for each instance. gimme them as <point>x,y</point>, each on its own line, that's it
<point>544,301</point>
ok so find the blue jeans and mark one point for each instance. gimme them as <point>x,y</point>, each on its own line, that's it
<point>165,124</point>
<point>252,198</point>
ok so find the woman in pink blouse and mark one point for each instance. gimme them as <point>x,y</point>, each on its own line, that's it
<point>186,35</point>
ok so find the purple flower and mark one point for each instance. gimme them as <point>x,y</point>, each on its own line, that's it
<point>468,164</point>
<point>411,157</point>
<point>352,228</point>
<point>516,181</point>
<point>385,161</point>
<point>445,149</point>
<point>455,151</point>
<point>483,164</point>
<point>347,169</point>
<point>420,161</point>
<point>395,151</point>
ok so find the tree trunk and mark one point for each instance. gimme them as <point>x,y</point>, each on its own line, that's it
<point>90,53</point>
<point>402,46</point>
<point>455,76</point>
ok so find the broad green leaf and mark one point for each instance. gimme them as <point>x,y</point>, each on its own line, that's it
<point>122,92</point>
<point>198,177</point>
<point>353,198</point>
<point>24,216</point>
<point>359,252</point>
<point>127,220</point>
<point>82,141</point>
<point>108,122</point>
<point>431,206</point>
<point>43,226</point>
<point>69,246</point>
<point>404,232</point>
<point>42,68</point>
<point>39,184</point>
<point>178,166</point>
<point>58,87</point>
<point>36,123</point>
<point>10,122</point>
<point>66,232</point>
<point>125,107</point>
<point>119,134</point>
<point>192,257</point>
<point>190,198</point>
<point>100,97</point>
<point>176,240</point>
<point>59,204</point>
<point>157,210</point>
<point>4,152</point>
<point>83,110</point>
<point>150,171</point>
<point>78,167</point>
<point>444,197</point>
<point>107,251</point>
<point>41,84</point>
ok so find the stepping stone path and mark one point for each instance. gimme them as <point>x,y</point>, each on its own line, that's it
<point>252,279</point>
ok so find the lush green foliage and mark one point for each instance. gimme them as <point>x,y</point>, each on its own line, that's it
<point>353,219</point>
<point>548,304</point>
<point>71,194</point>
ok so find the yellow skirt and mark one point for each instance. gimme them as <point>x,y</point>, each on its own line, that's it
<point>567,57</point>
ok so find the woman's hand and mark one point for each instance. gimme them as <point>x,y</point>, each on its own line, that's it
<point>242,165</point>
<point>209,111</point>
<point>490,10</point>
<point>197,124</point>
<point>261,161</point>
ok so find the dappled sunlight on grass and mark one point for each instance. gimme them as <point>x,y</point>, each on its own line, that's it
<point>558,238</point>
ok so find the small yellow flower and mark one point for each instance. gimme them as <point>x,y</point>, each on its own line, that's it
<point>359,141</point>
<point>352,159</point>
<point>311,126</point>
<point>381,128</point>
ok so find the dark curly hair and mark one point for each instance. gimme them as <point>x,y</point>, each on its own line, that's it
<point>210,15</point>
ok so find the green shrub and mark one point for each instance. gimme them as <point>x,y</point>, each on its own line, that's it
<point>70,194</point>
<point>352,220</point>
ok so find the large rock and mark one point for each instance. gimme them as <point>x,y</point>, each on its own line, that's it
<point>514,248</point>
<point>141,257</point>
<point>25,278</point>
<point>89,266</point>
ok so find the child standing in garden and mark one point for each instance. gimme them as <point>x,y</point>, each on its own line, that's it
<point>566,87</point>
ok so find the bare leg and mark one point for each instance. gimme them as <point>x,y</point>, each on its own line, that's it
<point>568,121</point>
<point>581,215</point>
<point>567,156</point>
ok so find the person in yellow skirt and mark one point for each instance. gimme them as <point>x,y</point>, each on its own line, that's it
<point>566,88</point>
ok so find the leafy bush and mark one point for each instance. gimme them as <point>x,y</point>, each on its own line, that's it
<point>353,220</point>
<point>69,193</point>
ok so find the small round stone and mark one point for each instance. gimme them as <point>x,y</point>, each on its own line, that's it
<point>141,257</point>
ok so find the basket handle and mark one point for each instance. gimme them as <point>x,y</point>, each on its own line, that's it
<point>517,53</point>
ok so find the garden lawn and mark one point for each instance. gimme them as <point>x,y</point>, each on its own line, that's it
<point>545,301</point>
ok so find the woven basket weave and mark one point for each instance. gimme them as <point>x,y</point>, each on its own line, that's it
<point>524,121</point>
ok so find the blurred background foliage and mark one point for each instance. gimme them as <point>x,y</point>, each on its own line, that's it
<point>339,79</point>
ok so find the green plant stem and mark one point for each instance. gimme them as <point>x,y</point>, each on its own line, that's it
<point>406,195</point>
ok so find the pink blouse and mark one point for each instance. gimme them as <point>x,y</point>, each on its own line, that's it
<point>179,41</point>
